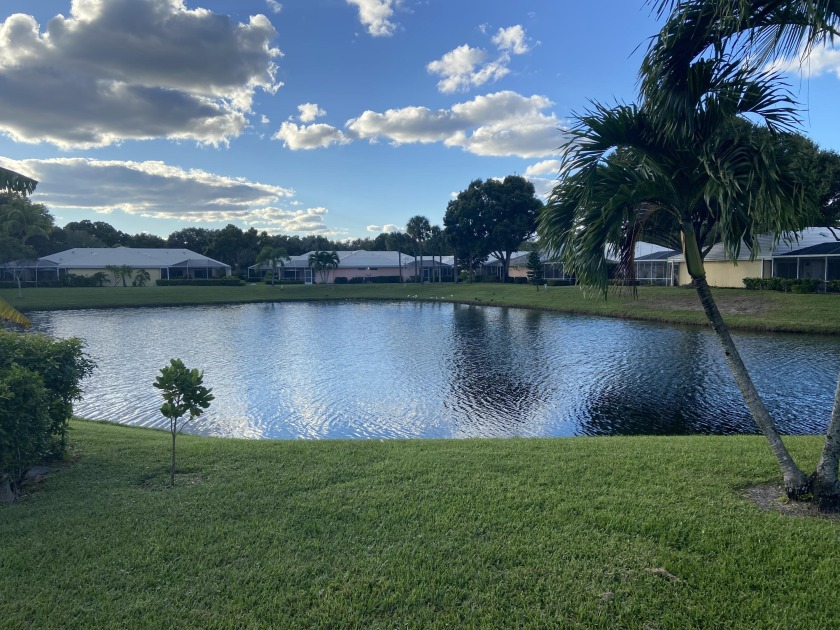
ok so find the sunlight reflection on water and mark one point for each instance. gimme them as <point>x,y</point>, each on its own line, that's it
<point>409,370</point>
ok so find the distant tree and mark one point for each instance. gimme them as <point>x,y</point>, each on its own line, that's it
<point>437,246</point>
<point>16,258</point>
<point>396,242</point>
<point>512,216</point>
<point>418,229</point>
<point>104,232</point>
<point>193,238</point>
<point>465,225</point>
<point>14,184</point>
<point>274,256</point>
<point>143,239</point>
<point>322,262</point>
<point>22,219</point>
<point>121,273</point>
<point>535,268</point>
<point>100,278</point>
<point>184,394</point>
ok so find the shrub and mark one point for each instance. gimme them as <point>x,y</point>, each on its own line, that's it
<point>805,286</point>
<point>520,280</point>
<point>24,427</point>
<point>833,285</point>
<point>556,282</point>
<point>773,284</point>
<point>341,280</point>
<point>58,365</point>
<point>356,280</point>
<point>753,284</point>
<point>385,279</point>
<point>228,281</point>
<point>8,284</point>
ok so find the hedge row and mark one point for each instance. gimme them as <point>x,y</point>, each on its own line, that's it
<point>790,285</point>
<point>282,281</point>
<point>229,281</point>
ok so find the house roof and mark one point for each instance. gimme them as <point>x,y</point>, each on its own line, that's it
<point>665,254</point>
<point>139,257</point>
<point>356,259</point>
<point>822,249</point>
<point>767,249</point>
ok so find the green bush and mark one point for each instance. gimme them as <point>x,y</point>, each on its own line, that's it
<point>341,280</point>
<point>556,282</point>
<point>520,280</point>
<point>805,286</point>
<point>833,285</point>
<point>228,281</point>
<point>356,280</point>
<point>282,281</point>
<point>58,367</point>
<point>753,284</point>
<point>8,284</point>
<point>25,423</point>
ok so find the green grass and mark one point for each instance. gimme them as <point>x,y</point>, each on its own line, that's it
<point>495,533</point>
<point>753,310</point>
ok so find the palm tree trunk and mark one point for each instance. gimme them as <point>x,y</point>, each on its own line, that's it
<point>826,486</point>
<point>172,469</point>
<point>796,483</point>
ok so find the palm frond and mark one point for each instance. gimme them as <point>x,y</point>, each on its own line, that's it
<point>10,314</point>
<point>15,182</point>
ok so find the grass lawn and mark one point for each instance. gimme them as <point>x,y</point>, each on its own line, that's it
<point>584,532</point>
<point>755,310</point>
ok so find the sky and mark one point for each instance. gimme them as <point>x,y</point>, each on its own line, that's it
<point>336,117</point>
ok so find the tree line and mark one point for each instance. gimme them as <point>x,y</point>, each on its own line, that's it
<point>489,217</point>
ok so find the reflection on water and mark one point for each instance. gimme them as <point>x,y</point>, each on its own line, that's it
<point>361,370</point>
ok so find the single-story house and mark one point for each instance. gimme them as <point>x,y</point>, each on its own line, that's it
<point>86,261</point>
<point>351,264</point>
<point>811,255</point>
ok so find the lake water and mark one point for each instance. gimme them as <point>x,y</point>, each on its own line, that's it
<point>417,370</point>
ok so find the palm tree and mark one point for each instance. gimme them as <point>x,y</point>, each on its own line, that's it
<point>633,174</point>
<point>395,242</point>
<point>418,229</point>
<point>121,273</point>
<point>274,256</point>
<point>749,31</point>
<point>322,262</point>
<point>13,182</point>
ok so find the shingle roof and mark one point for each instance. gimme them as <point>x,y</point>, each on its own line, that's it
<point>806,238</point>
<point>140,257</point>
<point>823,249</point>
<point>665,254</point>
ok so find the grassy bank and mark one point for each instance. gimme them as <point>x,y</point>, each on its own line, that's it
<point>606,532</point>
<point>753,310</point>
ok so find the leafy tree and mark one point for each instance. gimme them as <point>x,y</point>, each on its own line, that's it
<point>275,257</point>
<point>141,277</point>
<point>193,238</point>
<point>143,239</point>
<point>437,246</point>
<point>100,278</point>
<point>395,243</point>
<point>730,35</point>
<point>184,393</point>
<point>535,268</point>
<point>512,216</point>
<point>103,232</point>
<point>322,262</point>
<point>14,184</point>
<point>418,229</point>
<point>466,228</point>
<point>121,273</point>
<point>22,219</point>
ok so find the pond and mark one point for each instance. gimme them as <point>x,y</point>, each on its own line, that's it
<point>419,370</point>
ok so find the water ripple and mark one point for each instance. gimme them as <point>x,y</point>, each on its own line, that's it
<point>395,370</point>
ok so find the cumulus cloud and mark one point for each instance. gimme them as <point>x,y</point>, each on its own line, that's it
<point>132,69</point>
<point>546,167</point>
<point>375,16</point>
<point>310,111</point>
<point>466,67</point>
<point>156,190</point>
<point>274,6</point>
<point>500,124</point>
<point>318,136</point>
<point>821,60</point>
<point>388,228</point>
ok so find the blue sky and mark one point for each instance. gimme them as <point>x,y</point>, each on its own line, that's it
<point>338,117</point>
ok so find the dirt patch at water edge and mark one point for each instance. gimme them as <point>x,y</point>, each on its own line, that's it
<point>727,304</point>
<point>771,498</point>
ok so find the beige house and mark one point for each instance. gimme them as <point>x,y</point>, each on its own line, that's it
<point>161,264</point>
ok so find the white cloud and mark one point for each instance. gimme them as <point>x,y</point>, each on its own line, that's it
<point>274,6</point>
<point>387,228</point>
<point>546,167</point>
<point>132,69</point>
<point>156,190</point>
<point>499,124</point>
<point>465,67</point>
<point>512,40</point>
<point>310,111</point>
<point>318,136</point>
<point>821,60</point>
<point>375,16</point>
